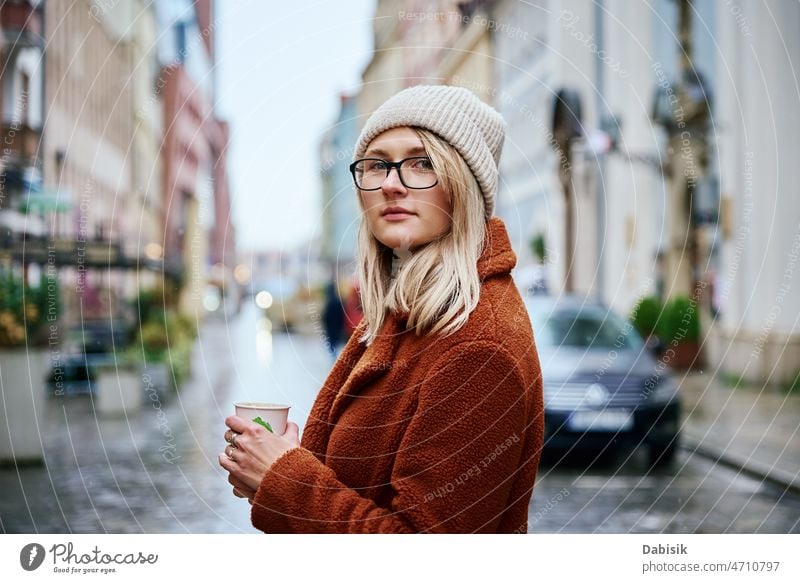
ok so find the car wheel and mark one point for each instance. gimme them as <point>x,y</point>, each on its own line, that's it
<point>662,453</point>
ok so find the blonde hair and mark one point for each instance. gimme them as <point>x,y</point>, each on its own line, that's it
<point>438,286</point>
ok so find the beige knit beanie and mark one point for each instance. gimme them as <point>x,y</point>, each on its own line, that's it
<point>455,114</point>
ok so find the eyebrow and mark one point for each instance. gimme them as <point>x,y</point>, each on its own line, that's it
<point>379,152</point>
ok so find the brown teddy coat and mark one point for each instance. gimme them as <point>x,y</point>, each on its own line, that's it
<point>418,433</point>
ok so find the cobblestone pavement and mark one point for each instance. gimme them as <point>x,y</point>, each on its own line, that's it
<point>157,471</point>
<point>622,495</point>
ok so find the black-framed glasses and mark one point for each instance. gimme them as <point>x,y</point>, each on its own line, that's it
<point>416,172</point>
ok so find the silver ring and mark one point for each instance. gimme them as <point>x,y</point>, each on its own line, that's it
<point>233,439</point>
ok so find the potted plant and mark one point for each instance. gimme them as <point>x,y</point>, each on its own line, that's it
<point>645,317</point>
<point>539,248</point>
<point>533,278</point>
<point>119,385</point>
<point>679,332</point>
<point>153,366</point>
<point>164,338</point>
<point>164,345</point>
<point>28,326</point>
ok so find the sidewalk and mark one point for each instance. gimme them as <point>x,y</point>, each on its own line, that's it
<point>755,430</point>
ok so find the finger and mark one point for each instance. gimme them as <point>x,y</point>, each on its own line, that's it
<point>292,432</point>
<point>245,492</point>
<point>229,451</point>
<point>237,424</point>
<point>227,463</point>
<point>237,483</point>
<point>240,489</point>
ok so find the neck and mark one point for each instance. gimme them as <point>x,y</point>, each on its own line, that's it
<point>399,258</point>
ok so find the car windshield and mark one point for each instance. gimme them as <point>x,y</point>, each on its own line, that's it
<point>586,328</point>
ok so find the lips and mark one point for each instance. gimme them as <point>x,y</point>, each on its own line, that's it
<point>396,210</point>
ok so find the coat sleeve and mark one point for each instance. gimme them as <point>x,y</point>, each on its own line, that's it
<point>453,470</point>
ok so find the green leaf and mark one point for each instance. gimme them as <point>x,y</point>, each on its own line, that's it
<point>260,421</point>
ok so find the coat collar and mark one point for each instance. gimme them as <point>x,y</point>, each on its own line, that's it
<point>375,360</point>
<point>498,257</point>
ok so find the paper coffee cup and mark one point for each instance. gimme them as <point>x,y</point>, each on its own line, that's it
<point>275,414</point>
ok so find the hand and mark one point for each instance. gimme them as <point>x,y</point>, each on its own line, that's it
<point>240,490</point>
<point>255,452</point>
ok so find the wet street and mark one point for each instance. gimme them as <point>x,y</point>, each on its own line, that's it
<point>157,471</point>
<point>622,496</point>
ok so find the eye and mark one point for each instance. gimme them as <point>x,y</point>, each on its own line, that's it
<point>424,164</point>
<point>375,165</point>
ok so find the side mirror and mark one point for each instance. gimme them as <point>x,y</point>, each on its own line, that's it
<point>654,345</point>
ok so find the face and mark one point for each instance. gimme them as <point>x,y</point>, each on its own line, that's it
<point>399,217</point>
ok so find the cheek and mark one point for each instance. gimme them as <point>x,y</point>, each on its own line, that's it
<point>442,201</point>
<point>444,210</point>
<point>445,219</point>
<point>370,211</point>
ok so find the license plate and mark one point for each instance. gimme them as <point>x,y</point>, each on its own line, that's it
<point>618,420</point>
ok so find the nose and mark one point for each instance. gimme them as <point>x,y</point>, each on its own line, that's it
<point>392,185</point>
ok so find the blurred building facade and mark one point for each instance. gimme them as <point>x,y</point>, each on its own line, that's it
<point>651,187</point>
<point>147,201</point>
<point>340,214</point>
<point>581,58</point>
<point>757,121</point>
<point>112,153</point>
<point>198,235</point>
<point>223,255</point>
<point>88,129</point>
<point>423,42</point>
<point>529,78</point>
<point>21,116</point>
<point>383,75</point>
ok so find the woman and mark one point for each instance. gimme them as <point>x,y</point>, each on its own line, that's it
<point>431,419</point>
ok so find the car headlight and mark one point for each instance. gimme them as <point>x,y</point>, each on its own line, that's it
<point>666,388</point>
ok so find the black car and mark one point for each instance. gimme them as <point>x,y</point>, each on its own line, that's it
<point>602,386</point>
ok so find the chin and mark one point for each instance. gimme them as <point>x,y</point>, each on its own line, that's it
<point>397,239</point>
<point>399,244</point>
